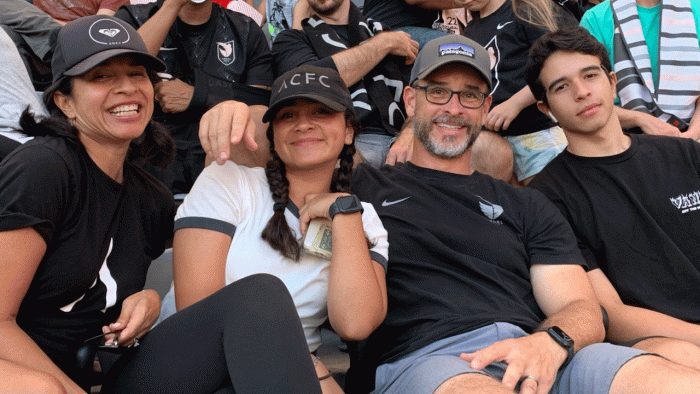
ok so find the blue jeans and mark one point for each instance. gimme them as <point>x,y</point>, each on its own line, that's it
<point>374,147</point>
<point>421,34</point>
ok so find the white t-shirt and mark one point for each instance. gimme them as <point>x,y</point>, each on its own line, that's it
<point>236,200</point>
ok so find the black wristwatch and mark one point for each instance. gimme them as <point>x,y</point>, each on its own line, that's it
<point>562,339</point>
<point>345,204</point>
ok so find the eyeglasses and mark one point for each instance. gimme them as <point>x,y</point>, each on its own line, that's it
<point>441,95</point>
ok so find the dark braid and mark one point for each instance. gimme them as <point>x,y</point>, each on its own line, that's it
<point>341,181</point>
<point>277,232</point>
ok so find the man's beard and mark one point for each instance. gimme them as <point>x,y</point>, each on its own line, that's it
<point>325,10</point>
<point>446,148</point>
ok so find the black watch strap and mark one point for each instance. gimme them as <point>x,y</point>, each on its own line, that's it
<point>562,339</point>
<point>345,204</point>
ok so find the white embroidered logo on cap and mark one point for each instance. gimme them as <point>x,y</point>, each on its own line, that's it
<point>109,32</point>
<point>225,52</point>
<point>306,78</point>
<point>456,49</point>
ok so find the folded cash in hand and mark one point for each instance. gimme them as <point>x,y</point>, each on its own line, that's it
<point>318,238</point>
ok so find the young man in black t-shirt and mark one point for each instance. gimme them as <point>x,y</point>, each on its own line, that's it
<point>633,200</point>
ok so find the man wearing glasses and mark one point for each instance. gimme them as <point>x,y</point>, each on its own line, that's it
<point>487,288</point>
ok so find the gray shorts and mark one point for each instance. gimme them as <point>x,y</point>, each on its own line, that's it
<point>591,371</point>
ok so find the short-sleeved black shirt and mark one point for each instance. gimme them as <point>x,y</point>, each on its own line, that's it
<point>101,236</point>
<point>460,252</point>
<point>637,217</point>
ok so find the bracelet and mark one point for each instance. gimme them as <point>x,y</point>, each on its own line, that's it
<point>316,360</point>
<point>324,377</point>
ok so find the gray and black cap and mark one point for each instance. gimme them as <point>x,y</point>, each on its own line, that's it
<point>452,49</point>
<point>88,41</point>
<point>323,85</point>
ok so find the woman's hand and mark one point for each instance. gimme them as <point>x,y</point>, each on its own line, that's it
<point>316,206</point>
<point>139,312</point>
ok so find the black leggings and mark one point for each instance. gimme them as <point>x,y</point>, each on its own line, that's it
<point>247,335</point>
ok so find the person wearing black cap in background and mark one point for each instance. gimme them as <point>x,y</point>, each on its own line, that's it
<point>237,221</point>
<point>79,226</point>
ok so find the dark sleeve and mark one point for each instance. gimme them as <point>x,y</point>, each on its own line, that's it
<point>137,14</point>
<point>540,183</point>
<point>34,186</point>
<point>163,234</point>
<point>259,67</point>
<point>549,237</point>
<point>124,14</point>
<point>210,90</point>
<point>292,48</point>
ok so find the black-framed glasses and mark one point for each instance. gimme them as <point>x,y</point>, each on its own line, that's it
<point>468,98</point>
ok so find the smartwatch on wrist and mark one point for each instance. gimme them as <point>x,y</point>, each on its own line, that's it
<point>562,339</point>
<point>345,204</point>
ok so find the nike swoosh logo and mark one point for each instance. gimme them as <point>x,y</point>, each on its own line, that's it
<point>386,203</point>
<point>501,26</point>
<point>167,49</point>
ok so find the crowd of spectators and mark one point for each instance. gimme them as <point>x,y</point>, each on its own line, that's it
<point>479,195</point>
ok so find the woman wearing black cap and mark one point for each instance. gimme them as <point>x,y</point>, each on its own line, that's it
<point>79,225</point>
<point>239,221</point>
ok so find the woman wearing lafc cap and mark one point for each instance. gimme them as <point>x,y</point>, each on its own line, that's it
<point>239,221</point>
<point>79,225</point>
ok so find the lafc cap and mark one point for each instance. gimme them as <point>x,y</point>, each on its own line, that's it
<point>323,85</point>
<point>88,41</point>
<point>452,49</point>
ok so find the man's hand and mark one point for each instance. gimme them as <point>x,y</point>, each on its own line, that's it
<point>400,44</point>
<point>139,312</point>
<point>536,355</point>
<point>648,123</point>
<point>228,123</point>
<point>401,150</point>
<point>174,95</point>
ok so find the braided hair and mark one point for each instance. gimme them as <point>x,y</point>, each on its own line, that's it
<point>277,232</point>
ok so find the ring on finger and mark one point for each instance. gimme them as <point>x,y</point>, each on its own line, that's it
<point>135,343</point>
<point>531,377</point>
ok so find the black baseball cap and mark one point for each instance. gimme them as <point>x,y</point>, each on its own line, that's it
<point>452,48</point>
<point>323,85</point>
<point>88,41</point>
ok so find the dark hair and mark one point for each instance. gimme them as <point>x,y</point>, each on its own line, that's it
<point>277,232</point>
<point>154,146</point>
<point>575,39</point>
